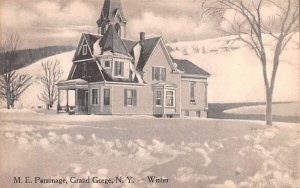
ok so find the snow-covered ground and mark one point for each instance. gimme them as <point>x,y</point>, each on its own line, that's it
<point>189,152</point>
<point>237,72</point>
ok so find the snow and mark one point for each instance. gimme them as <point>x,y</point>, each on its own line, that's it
<point>195,152</point>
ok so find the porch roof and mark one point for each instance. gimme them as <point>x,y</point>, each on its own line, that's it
<point>72,84</point>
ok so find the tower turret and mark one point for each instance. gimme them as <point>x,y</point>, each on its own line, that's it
<point>112,14</point>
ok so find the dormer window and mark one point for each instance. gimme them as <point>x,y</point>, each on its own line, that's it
<point>107,64</point>
<point>84,49</point>
<point>119,68</point>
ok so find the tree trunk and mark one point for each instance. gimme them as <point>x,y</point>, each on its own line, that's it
<point>269,119</point>
<point>8,100</point>
<point>8,104</point>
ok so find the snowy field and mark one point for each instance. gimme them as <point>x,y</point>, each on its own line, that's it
<point>189,152</point>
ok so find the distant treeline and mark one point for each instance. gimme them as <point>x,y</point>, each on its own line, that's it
<point>28,56</point>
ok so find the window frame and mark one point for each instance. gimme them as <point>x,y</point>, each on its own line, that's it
<point>159,73</point>
<point>158,98</point>
<point>104,64</point>
<point>105,97</point>
<point>173,98</point>
<point>96,95</point>
<point>130,95</point>
<point>119,68</point>
<point>192,93</point>
<point>84,49</point>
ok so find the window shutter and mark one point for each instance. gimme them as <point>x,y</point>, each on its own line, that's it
<point>116,67</point>
<point>122,68</point>
<point>134,97</point>
<point>125,97</point>
<point>153,73</point>
<point>164,74</point>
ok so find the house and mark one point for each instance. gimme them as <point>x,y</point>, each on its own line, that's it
<point>113,75</point>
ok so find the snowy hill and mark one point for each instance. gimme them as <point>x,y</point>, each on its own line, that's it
<point>29,98</point>
<point>236,71</point>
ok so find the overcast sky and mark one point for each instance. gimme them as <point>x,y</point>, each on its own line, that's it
<point>49,22</point>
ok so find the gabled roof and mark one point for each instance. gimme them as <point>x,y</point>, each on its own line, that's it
<point>111,41</point>
<point>109,10</point>
<point>147,49</point>
<point>130,44</point>
<point>189,68</point>
<point>91,39</point>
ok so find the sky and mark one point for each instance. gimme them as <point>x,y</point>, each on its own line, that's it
<point>61,22</point>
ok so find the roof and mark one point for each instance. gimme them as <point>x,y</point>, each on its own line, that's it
<point>130,44</point>
<point>111,41</point>
<point>109,10</point>
<point>147,49</point>
<point>189,68</point>
<point>91,39</point>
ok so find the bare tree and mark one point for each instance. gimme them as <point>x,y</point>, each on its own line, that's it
<point>50,77</point>
<point>12,84</point>
<point>248,21</point>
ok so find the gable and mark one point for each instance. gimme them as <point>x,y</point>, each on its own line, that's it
<point>158,58</point>
<point>83,47</point>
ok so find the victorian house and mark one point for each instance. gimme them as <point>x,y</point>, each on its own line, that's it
<point>113,75</point>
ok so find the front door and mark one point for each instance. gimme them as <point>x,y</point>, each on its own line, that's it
<point>82,101</point>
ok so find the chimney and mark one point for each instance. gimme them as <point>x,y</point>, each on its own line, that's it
<point>142,36</point>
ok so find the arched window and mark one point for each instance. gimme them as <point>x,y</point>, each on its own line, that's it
<point>118,28</point>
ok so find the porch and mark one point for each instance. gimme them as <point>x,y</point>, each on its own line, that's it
<point>73,97</point>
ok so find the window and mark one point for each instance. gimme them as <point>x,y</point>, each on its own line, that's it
<point>159,73</point>
<point>106,97</point>
<point>84,49</point>
<point>95,96</point>
<point>84,69</point>
<point>170,98</point>
<point>106,64</point>
<point>119,68</point>
<point>130,97</point>
<point>158,98</point>
<point>192,92</point>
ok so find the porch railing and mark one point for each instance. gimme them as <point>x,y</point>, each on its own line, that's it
<point>72,109</point>
<point>82,109</point>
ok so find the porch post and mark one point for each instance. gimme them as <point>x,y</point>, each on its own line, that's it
<point>58,101</point>
<point>68,100</point>
<point>206,101</point>
<point>76,100</point>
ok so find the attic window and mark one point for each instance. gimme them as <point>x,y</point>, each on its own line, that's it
<point>84,49</point>
<point>158,74</point>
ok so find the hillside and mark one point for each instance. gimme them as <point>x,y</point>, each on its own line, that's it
<point>29,98</point>
<point>236,71</point>
<point>26,57</point>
